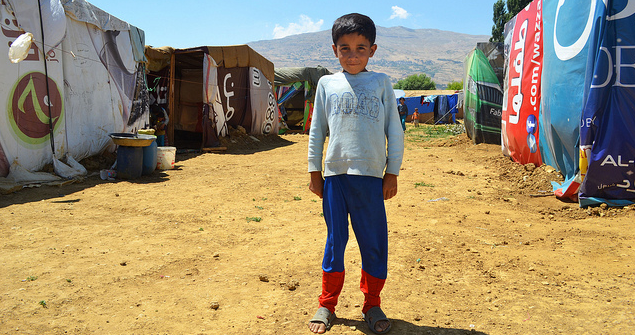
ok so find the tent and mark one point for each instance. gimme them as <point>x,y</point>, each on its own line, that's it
<point>435,106</point>
<point>585,92</point>
<point>208,89</point>
<point>90,83</point>
<point>495,54</point>
<point>295,92</point>
<point>483,99</point>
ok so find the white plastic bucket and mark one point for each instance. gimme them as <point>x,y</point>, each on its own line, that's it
<point>165,158</point>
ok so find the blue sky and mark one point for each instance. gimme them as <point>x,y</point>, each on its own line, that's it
<point>191,23</point>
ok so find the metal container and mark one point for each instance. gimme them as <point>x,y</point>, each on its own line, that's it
<point>132,140</point>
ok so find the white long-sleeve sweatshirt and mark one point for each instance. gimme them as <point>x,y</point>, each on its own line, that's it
<point>359,115</point>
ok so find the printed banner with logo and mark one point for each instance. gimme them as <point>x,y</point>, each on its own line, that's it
<point>263,104</point>
<point>95,87</point>
<point>569,48</point>
<point>24,127</point>
<point>239,96</point>
<point>519,124</point>
<point>483,98</point>
<point>607,138</point>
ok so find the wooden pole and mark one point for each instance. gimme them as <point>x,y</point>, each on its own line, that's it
<point>171,102</point>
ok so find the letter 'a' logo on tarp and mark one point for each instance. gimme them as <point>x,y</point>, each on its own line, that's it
<point>28,108</point>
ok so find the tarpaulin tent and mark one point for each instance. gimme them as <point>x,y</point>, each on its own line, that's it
<point>483,98</point>
<point>426,108</point>
<point>434,106</point>
<point>208,89</point>
<point>495,54</point>
<point>607,132</point>
<point>295,93</point>
<point>569,37</point>
<point>587,94</point>
<point>90,83</point>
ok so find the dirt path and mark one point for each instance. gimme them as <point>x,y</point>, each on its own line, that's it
<point>232,243</point>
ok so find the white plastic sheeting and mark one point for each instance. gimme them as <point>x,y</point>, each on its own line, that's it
<point>95,83</point>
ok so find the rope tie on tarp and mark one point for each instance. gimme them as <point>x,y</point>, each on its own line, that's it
<point>46,75</point>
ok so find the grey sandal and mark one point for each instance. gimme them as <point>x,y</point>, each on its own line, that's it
<point>325,316</point>
<point>374,315</point>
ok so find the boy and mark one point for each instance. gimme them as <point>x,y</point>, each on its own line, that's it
<point>403,112</point>
<point>358,111</point>
<point>415,117</point>
<point>160,121</point>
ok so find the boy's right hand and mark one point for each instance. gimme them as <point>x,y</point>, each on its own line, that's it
<point>316,185</point>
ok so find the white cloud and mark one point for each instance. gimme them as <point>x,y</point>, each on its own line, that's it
<point>399,13</point>
<point>305,25</point>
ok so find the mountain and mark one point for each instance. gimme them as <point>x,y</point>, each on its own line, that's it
<point>401,52</point>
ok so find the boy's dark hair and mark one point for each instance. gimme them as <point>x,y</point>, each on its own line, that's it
<point>354,23</point>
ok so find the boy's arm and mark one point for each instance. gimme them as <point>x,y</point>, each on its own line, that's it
<point>316,185</point>
<point>394,131</point>
<point>317,137</point>
<point>389,186</point>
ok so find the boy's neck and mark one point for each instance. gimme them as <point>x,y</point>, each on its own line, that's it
<point>364,70</point>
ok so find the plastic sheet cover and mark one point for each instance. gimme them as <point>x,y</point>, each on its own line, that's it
<point>607,140</point>
<point>569,48</point>
<point>521,102</point>
<point>483,98</point>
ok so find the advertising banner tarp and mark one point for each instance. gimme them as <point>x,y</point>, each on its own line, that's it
<point>521,101</point>
<point>263,104</point>
<point>607,143</point>
<point>66,101</point>
<point>483,98</point>
<point>101,78</point>
<point>24,128</point>
<point>569,48</point>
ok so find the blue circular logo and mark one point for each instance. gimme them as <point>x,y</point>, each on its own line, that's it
<point>532,143</point>
<point>531,124</point>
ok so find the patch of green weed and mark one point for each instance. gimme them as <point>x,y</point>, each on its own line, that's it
<point>422,184</point>
<point>432,132</point>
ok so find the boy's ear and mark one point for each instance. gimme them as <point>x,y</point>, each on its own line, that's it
<point>334,49</point>
<point>373,48</point>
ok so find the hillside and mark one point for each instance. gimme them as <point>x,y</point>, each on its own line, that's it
<point>401,52</point>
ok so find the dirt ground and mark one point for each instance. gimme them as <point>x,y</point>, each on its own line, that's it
<point>231,243</point>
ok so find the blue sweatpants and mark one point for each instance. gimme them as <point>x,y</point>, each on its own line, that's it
<point>362,198</point>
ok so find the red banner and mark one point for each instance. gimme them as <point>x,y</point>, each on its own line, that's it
<point>522,95</point>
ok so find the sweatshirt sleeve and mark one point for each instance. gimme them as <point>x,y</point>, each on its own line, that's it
<point>394,132</point>
<point>318,130</point>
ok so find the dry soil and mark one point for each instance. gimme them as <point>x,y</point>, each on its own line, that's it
<point>231,243</point>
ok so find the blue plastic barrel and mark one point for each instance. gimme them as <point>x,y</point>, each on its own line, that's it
<point>129,162</point>
<point>149,158</point>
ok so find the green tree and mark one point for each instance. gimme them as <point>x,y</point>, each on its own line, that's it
<point>515,6</point>
<point>455,85</point>
<point>416,82</point>
<point>500,18</point>
<point>502,14</point>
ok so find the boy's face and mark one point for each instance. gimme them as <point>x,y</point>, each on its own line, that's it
<point>353,52</point>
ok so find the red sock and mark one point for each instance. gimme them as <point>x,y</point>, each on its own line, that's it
<point>371,287</point>
<point>332,283</point>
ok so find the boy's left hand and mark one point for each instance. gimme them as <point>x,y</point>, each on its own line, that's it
<point>389,186</point>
